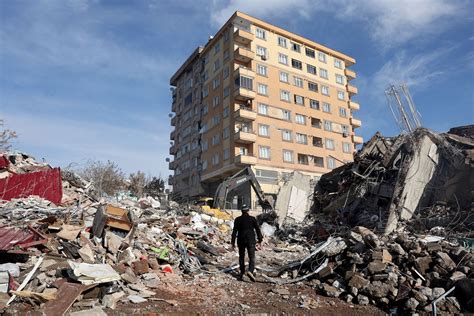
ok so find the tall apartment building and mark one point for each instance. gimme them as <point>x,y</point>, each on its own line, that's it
<point>258,95</point>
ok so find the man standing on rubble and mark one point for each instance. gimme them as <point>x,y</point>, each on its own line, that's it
<point>245,227</point>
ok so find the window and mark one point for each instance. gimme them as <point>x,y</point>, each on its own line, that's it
<point>244,82</point>
<point>295,47</point>
<point>326,107</point>
<point>340,95</point>
<point>226,154</point>
<point>328,125</point>
<point>264,130</point>
<point>339,79</point>
<point>323,73</point>
<point>282,59</point>
<point>215,139</point>
<point>204,165</point>
<point>262,70</point>
<point>318,161</point>
<point>311,69</point>
<point>345,130</point>
<point>325,90</point>
<point>215,83</point>
<point>299,100</point>
<point>260,33</point>
<point>225,133</point>
<point>314,104</point>
<point>217,48</point>
<point>331,163</point>
<point>262,109</point>
<point>346,147</point>
<point>298,81</point>
<point>262,89</point>
<point>205,109</point>
<point>286,135</point>
<point>330,144</point>
<point>315,122</point>
<point>284,76</point>
<point>226,55</point>
<point>215,101</point>
<point>205,91</point>
<point>282,42</point>
<point>226,91</point>
<point>243,151</point>
<point>317,141</point>
<point>302,159</point>
<point>261,51</point>
<point>287,155</point>
<point>215,159</point>
<point>338,63</point>
<point>310,52</point>
<point>342,112</point>
<point>322,57</point>
<point>226,35</point>
<point>264,152</point>
<point>300,119</point>
<point>216,120</point>
<point>312,86</point>
<point>225,72</point>
<point>286,115</point>
<point>285,95</point>
<point>301,138</point>
<point>205,76</point>
<point>217,65</point>
<point>204,145</point>
<point>296,64</point>
<point>225,113</point>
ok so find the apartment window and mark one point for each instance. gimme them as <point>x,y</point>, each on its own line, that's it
<point>311,69</point>
<point>264,152</point>
<point>341,95</point>
<point>205,91</point>
<point>226,91</point>
<point>318,161</point>
<point>217,65</point>
<point>216,120</point>
<point>325,90</point>
<point>262,89</point>
<point>225,112</point>
<point>326,107</point>
<point>323,73</point>
<point>298,81</point>
<point>286,115</point>
<point>314,104</point>
<point>339,79</point>
<point>204,145</point>
<point>282,59</point>
<point>215,159</point>
<point>225,72</point>
<point>296,47</point>
<point>262,70</point>
<point>226,154</point>
<point>244,82</point>
<point>312,86</point>
<point>282,42</point>
<point>215,83</point>
<point>346,147</point>
<point>299,100</point>
<point>338,63</point>
<point>205,76</point>
<point>225,133</point>
<point>262,109</point>
<point>217,47</point>
<point>215,139</point>
<point>301,138</point>
<point>310,52</point>
<point>215,101</point>
<point>204,165</point>
<point>331,163</point>
<point>317,141</point>
<point>203,128</point>
<point>287,155</point>
<point>226,35</point>
<point>226,55</point>
<point>243,151</point>
<point>330,144</point>
<point>263,130</point>
<point>345,130</point>
<point>286,135</point>
<point>261,51</point>
<point>296,64</point>
<point>315,122</point>
<point>342,112</point>
<point>284,76</point>
<point>328,125</point>
<point>285,95</point>
<point>261,33</point>
<point>205,109</point>
<point>302,159</point>
<point>322,57</point>
<point>300,119</point>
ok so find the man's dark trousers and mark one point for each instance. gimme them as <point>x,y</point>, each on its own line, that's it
<point>251,252</point>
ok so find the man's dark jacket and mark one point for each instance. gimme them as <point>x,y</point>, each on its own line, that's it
<point>245,227</point>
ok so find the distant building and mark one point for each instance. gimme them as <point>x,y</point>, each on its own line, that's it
<point>262,96</point>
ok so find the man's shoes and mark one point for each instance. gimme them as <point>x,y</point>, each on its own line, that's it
<point>251,276</point>
<point>240,277</point>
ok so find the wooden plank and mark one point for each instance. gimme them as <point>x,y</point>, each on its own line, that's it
<point>66,296</point>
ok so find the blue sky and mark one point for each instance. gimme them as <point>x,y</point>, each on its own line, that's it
<point>89,79</point>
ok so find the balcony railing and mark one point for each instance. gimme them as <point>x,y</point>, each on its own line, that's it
<point>355,122</point>
<point>352,90</point>
<point>350,74</point>
<point>354,106</point>
<point>247,159</point>
<point>245,136</point>
<point>243,36</point>
<point>245,114</point>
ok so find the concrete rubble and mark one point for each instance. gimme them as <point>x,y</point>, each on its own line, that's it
<point>393,230</point>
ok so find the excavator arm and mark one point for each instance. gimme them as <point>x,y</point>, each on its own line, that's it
<point>238,179</point>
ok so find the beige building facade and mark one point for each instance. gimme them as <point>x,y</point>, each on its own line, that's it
<point>258,95</point>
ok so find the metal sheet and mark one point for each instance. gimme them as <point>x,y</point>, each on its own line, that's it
<point>10,237</point>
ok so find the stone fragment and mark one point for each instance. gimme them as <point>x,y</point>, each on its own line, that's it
<point>396,248</point>
<point>358,282</point>
<point>110,300</point>
<point>370,239</point>
<point>420,297</point>
<point>282,291</point>
<point>136,299</point>
<point>422,264</point>
<point>335,247</point>
<point>378,289</point>
<point>330,291</point>
<point>445,261</point>
<point>362,300</point>
<point>428,292</point>
<point>437,292</point>
<point>412,304</point>
<point>456,276</point>
<point>376,267</point>
<point>129,277</point>
<point>140,266</point>
<point>86,254</point>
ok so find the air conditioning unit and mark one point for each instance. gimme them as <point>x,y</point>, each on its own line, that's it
<point>263,57</point>
<point>345,134</point>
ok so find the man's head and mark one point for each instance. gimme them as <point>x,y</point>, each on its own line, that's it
<point>245,209</point>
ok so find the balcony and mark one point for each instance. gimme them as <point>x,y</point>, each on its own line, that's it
<point>173,165</point>
<point>243,54</point>
<point>352,90</point>
<point>245,159</point>
<point>242,114</point>
<point>240,70</point>
<point>244,94</point>
<point>246,137</point>
<point>243,36</point>
<point>350,74</point>
<point>174,120</point>
<point>355,122</point>
<point>173,135</point>
<point>357,139</point>
<point>173,150</point>
<point>354,106</point>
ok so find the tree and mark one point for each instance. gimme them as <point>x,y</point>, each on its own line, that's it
<point>6,136</point>
<point>107,177</point>
<point>138,181</point>
<point>155,186</point>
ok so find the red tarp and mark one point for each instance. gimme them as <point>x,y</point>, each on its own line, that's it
<point>46,184</point>
<point>10,237</point>
<point>3,162</point>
